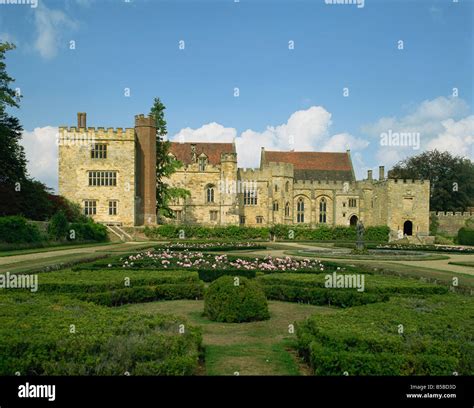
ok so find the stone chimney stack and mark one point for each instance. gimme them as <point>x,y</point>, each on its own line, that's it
<point>369,175</point>
<point>381,172</point>
<point>81,120</point>
<point>145,130</point>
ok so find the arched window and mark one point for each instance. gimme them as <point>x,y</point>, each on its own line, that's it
<point>287,209</point>
<point>210,194</point>
<point>300,210</point>
<point>275,206</point>
<point>322,211</point>
<point>287,186</point>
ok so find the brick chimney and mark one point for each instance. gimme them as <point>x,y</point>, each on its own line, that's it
<point>145,130</point>
<point>81,119</point>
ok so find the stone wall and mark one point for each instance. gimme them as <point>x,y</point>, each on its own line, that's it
<point>75,162</point>
<point>451,222</point>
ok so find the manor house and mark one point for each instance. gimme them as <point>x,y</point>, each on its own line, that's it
<point>111,173</point>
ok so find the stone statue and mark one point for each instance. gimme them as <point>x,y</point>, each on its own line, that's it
<point>360,235</point>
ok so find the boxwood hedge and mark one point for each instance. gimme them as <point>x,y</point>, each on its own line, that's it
<point>57,335</point>
<point>404,336</point>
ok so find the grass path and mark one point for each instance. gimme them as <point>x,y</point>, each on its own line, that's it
<point>256,348</point>
<point>42,258</point>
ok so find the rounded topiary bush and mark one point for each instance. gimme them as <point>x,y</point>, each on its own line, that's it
<point>235,299</point>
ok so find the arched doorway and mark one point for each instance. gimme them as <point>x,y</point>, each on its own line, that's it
<point>408,228</point>
<point>353,221</point>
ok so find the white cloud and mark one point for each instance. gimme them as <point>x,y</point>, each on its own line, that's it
<point>458,137</point>
<point>305,130</point>
<point>441,123</point>
<point>50,25</point>
<point>212,132</point>
<point>344,141</point>
<point>42,154</point>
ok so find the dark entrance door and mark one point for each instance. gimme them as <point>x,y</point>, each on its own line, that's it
<point>353,220</point>
<point>408,228</point>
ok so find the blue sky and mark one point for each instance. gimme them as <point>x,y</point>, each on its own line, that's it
<point>288,98</point>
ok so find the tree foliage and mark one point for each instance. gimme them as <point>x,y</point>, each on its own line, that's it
<point>12,155</point>
<point>166,165</point>
<point>451,178</point>
<point>19,193</point>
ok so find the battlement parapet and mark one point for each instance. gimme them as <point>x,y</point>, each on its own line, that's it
<point>458,214</point>
<point>323,183</point>
<point>65,131</point>
<point>406,181</point>
<point>226,157</point>
<point>142,120</point>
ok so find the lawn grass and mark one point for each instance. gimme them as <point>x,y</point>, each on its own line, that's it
<point>51,248</point>
<point>468,264</point>
<point>255,348</point>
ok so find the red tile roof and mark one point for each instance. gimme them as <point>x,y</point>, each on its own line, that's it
<point>213,151</point>
<point>314,165</point>
<point>312,160</point>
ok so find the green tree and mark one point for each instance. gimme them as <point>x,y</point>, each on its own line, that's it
<point>19,193</point>
<point>166,165</point>
<point>58,226</point>
<point>12,154</point>
<point>451,178</point>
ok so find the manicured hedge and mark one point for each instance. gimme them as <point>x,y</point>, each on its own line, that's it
<point>326,233</point>
<point>368,340</point>
<point>281,232</point>
<point>372,283</point>
<point>212,246</point>
<point>140,294</point>
<point>57,335</point>
<point>90,281</point>
<point>15,230</point>
<point>466,236</point>
<point>209,275</point>
<point>322,296</point>
<point>226,301</point>
<point>190,231</point>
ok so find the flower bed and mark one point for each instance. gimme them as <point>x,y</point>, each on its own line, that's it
<point>196,260</point>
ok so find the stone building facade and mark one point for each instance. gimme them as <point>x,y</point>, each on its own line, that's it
<point>110,172</point>
<point>293,188</point>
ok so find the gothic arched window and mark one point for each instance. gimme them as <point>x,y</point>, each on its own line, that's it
<point>322,211</point>
<point>300,210</point>
<point>210,194</point>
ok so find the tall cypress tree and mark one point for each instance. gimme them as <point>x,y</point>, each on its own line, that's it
<point>166,165</point>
